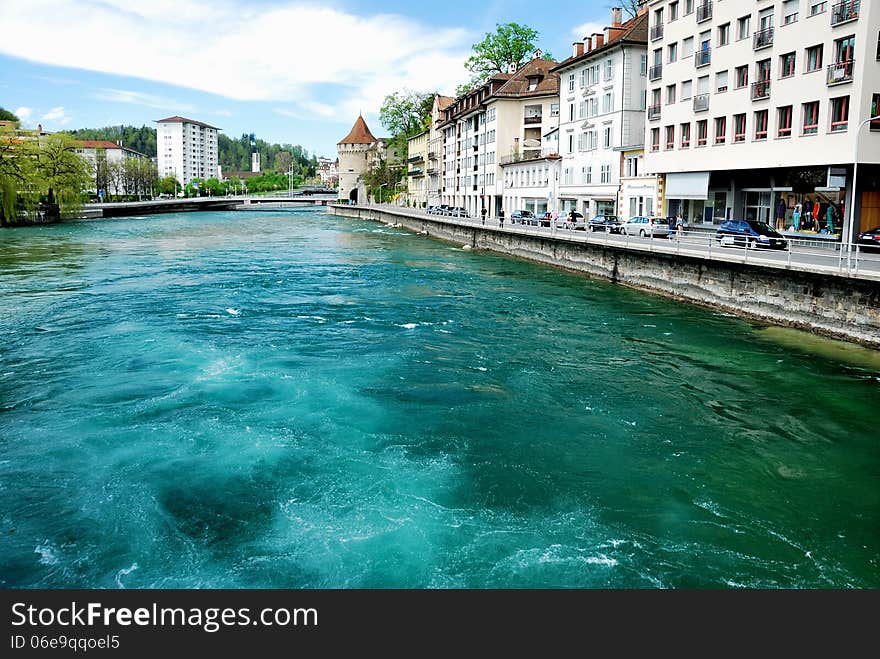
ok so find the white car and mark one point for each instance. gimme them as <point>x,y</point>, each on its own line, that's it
<point>642,225</point>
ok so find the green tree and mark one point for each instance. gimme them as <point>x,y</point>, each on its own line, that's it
<point>168,185</point>
<point>283,161</point>
<point>6,115</point>
<point>502,51</point>
<point>59,173</point>
<point>405,114</point>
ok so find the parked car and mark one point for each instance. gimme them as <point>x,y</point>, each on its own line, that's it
<point>458,211</point>
<point>609,223</point>
<point>869,240</point>
<point>642,225</point>
<point>431,210</point>
<point>749,233</point>
<point>522,217</point>
<point>563,221</point>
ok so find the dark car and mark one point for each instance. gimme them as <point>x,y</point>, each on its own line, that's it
<point>523,217</point>
<point>750,233</point>
<point>609,223</point>
<point>869,240</point>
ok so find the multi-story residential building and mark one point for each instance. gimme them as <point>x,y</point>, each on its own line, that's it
<point>502,121</point>
<point>186,149</point>
<point>434,168</point>
<point>417,159</point>
<point>759,109</point>
<point>602,123</point>
<point>532,183</point>
<point>107,162</point>
<point>328,170</point>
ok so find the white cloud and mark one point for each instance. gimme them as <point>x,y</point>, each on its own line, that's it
<point>140,98</point>
<point>57,115</point>
<point>223,113</point>
<point>245,52</point>
<point>23,113</point>
<point>587,29</point>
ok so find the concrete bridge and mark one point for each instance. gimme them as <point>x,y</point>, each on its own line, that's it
<point>238,202</point>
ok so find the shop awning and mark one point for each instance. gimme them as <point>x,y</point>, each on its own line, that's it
<point>687,185</point>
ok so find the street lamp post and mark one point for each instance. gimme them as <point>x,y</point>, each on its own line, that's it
<point>852,199</point>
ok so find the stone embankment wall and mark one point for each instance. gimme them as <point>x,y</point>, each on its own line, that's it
<point>833,305</point>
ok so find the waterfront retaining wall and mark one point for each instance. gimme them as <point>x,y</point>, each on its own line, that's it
<point>830,304</point>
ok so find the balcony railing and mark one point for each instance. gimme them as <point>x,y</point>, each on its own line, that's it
<point>657,32</point>
<point>533,120</point>
<point>760,90</point>
<point>763,39</point>
<point>415,173</point>
<point>840,72</point>
<point>528,155</point>
<point>704,12</point>
<point>653,112</point>
<point>703,57</point>
<point>655,72</point>
<point>701,102</point>
<point>844,12</point>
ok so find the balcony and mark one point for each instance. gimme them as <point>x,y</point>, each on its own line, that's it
<point>416,158</point>
<point>701,102</point>
<point>528,155</point>
<point>655,72</point>
<point>760,90</point>
<point>844,12</point>
<point>763,39</point>
<point>703,57</point>
<point>415,173</point>
<point>653,112</point>
<point>657,32</point>
<point>534,119</point>
<point>704,12</point>
<point>840,72</point>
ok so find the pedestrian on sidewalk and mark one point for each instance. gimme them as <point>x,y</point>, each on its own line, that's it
<point>501,218</point>
<point>483,215</point>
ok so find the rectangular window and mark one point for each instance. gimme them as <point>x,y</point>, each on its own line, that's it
<point>702,132</point>
<point>818,8</point>
<point>688,7</point>
<point>839,114</point>
<point>789,12</point>
<point>743,27</point>
<point>811,118</point>
<point>687,47</point>
<point>571,82</point>
<point>607,103</point>
<point>673,11</point>
<point>582,78</point>
<point>762,70</point>
<point>813,59</point>
<point>875,112</point>
<point>670,137</point>
<point>672,52</point>
<point>739,128</point>
<point>761,118</point>
<point>783,121</point>
<point>724,34</point>
<point>606,137</point>
<point>742,76</point>
<point>670,94</point>
<point>582,142</point>
<point>721,82</point>
<point>687,90</point>
<point>606,173</point>
<point>720,130</point>
<point>655,139</point>
<point>643,64</point>
<point>609,70</point>
<point>786,65</point>
<point>582,110</point>
<point>685,131</point>
<point>632,165</point>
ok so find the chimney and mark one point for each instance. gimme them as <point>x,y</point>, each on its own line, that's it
<point>643,8</point>
<point>615,17</point>
<point>598,39</point>
<point>578,48</point>
<point>588,42</point>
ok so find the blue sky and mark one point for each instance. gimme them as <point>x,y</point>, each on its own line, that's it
<point>291,72</point>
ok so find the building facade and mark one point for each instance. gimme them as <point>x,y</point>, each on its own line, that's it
<point>358,152</point>
<point>416,179</point>
<point>107,163</point>
<point>602,124</point>
<point>758,110</point>
<point>186,149</point>
<point>434,170</point>
<point>501,122</point>
<point>328,171</point>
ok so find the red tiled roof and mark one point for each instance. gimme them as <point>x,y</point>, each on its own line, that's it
<point>518,84</point>
<point>359,134</point>
<point>635,30</point>
<point>178,120</point>
<point>97,144</point>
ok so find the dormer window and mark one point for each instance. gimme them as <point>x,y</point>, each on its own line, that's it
<point>533,82</point>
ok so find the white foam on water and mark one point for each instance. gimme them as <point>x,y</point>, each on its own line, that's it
<point>601,559</point>
<point>232,312</point>
<point>47,554</point>
<point>124,571</point>
<point>409,325</point>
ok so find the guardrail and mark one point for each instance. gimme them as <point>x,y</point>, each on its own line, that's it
<point>699,243</point>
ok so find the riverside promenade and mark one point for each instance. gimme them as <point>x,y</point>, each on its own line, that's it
<point>816,289</point>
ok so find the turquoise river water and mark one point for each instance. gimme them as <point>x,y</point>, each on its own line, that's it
<point>295,400</point>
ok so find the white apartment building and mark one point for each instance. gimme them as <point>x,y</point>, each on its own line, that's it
<point>186,149</point>
<point>601,128</point>
<point>106,162</point>
<point>533,184</point>
<point>328,170</point>
<point>502,121</point>
<point>434,169</point>
<point>756,109</point>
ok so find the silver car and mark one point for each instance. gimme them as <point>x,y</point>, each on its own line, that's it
<point>642,225</point>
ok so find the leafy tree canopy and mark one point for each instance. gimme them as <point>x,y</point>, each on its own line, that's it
<point>406,114</point>
<point>502,51</point>
<point>6,115</point>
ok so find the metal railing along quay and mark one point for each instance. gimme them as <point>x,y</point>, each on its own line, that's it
<point>698,243</point>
